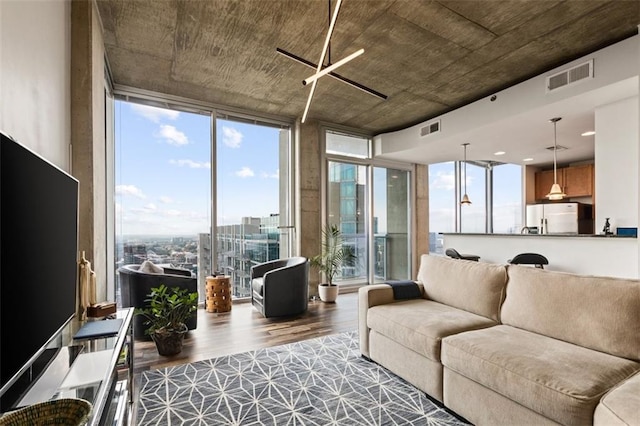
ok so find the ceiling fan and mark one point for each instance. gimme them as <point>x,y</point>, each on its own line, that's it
<point>322,70</point>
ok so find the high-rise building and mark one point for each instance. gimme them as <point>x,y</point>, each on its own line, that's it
<point>204,262</point>
<point>134,254</point>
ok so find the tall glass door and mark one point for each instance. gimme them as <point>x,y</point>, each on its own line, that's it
<point>391,219</point>
<point>347,208</point>
<point>378,231</point>
<point>253,194</point>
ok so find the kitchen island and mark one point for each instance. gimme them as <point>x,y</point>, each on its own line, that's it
<point>612,255</point>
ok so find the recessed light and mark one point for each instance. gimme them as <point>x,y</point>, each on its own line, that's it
<point>499,153</point>
<point>589,133</point>
<point>527,159</point>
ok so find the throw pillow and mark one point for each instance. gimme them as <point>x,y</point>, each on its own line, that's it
<point>150,268</point>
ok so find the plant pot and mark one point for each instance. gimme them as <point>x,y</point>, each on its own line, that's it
<point>169,343</point>
<point>328,293</point>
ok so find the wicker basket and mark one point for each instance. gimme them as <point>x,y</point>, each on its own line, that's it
<point>66,411</point>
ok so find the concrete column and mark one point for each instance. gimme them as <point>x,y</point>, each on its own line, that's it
<point>309,202</point>
<point>421,234</point>
<point>88,135</point>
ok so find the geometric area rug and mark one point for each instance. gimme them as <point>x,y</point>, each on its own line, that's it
<point>322,381</point>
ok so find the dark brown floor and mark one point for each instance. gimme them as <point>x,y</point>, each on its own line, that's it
<point>244,329</point>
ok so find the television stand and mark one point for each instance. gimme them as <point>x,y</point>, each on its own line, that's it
<point>97,369</point>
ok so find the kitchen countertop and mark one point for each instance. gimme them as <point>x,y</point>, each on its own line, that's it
<point>540,235</point>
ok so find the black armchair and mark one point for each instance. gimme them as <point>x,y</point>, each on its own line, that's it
<point>281,287</point>
<point>135,287</point>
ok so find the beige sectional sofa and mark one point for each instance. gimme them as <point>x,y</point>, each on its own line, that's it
<point>512,345</point>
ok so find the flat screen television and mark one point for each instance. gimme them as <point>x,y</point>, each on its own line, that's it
<point>38,255</point>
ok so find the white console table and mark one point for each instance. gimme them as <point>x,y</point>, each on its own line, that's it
<point>99,370</point>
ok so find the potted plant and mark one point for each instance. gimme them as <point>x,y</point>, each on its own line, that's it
<point>168,310</point>
<point>334,255</point>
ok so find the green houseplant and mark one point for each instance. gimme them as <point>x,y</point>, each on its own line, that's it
<point>166,314</point>
<point>334,255</point>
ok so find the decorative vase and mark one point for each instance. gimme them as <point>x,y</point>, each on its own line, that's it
<point>169,343</point>
<point>328,293</point>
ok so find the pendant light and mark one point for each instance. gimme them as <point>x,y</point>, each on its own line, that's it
<point>465,197</point>
<point>556,192</point>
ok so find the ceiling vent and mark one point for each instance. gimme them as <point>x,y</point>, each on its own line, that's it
<point>558,148</point>
<point>570,76</point>
<point>433,127</point>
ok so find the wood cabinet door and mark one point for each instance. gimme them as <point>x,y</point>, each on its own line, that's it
<point>544,180</point>
<point>578,181</point>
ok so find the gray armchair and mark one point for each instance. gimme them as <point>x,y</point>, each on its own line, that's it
<point>135,287</point>
<point>281,287</point>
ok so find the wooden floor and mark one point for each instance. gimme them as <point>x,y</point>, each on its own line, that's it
<point>244,329</point>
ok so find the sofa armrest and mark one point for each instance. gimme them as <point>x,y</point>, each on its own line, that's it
<point>370,296</point>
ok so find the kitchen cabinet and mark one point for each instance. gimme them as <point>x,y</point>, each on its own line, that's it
<point>578,181</point>
<point>575,181</point>
<point>544,180</point>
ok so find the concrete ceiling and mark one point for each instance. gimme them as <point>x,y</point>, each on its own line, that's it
<point>428,57</point>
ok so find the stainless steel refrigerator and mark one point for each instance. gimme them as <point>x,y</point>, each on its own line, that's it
<point>560,218</point>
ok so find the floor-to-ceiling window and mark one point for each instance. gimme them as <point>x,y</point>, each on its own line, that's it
<point>163,186</point>
<point>207,201</point>
<point>371,205</point>
<point>473,217</point>
<point>507,198</point>
<point>442,203</point>
<point>495,192</point>
<point>253,198</point>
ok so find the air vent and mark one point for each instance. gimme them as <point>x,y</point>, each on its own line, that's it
<point>558,148</point>
<point>570,76</point>
<point>430,128</point>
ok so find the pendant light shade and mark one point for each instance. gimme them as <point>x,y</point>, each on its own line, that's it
<point>465,198</point>
<point>556,192</point>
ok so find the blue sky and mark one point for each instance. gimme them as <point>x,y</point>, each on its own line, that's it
<point>163,171</point>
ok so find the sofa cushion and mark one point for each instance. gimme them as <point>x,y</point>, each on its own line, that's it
<point>559,380</point>
<point>595,312</point>
<point>472,286</point>
<point>621,406</point>
<point>421,324</point>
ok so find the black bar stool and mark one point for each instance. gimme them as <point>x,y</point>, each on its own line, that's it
<point>529,259</point>
<point>453,253</point>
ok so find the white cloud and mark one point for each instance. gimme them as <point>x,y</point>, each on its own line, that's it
<point>129,190</point>
<point>191,164</point>
<point>151,207</point>
<point>154,114</point>
<point>165,200</point>
<point>443,180</point>
<point>275,175</point>
<point>245,172</point>
<point>173,212</point>
<point>231,137</point>
<point>172,135</point>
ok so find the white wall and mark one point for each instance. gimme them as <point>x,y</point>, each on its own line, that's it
<point>35,76</point>
<point>613,65</point>
<point>616,164</point>
<point>601,256</point>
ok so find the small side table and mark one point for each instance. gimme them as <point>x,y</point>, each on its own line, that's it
<point>218,298</point>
